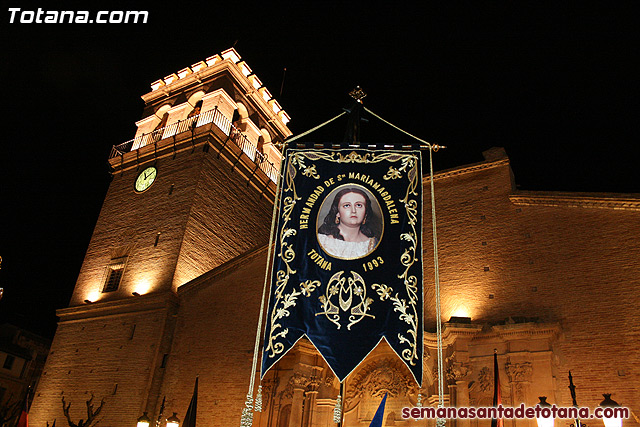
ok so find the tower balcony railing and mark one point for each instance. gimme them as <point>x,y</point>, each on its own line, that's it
<point>191,124</point>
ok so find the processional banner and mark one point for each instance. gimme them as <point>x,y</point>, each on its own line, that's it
<point>347,266</point>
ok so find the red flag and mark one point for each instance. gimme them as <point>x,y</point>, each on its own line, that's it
<point>497,395</point>
<point>23,421</point>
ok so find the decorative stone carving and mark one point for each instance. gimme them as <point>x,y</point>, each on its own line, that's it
<point>426,354</point>
<point>287,393</point>
<point>269,387</point>
<point>297,381</point>
<point>519,391</point>
<point>481,390</point>
<point>485,379</point>
<point>518,372</point>
<point>380,377</point>
<point>457,371</point>
<point>328,379</point>
<point>434,374</point>
<point>314,383</point>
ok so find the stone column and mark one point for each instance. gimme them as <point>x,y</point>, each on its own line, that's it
<point>519,379</point>
<point>462,399</point>
<point>295,419</point>
<point>458,388</point>
<point>299,383</point>
<point>311,406</point>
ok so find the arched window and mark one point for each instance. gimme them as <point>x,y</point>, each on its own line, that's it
<point>266,136</point>
<point>260,146</point>
<point>196,102</point>
<point>196,110</point>
<point>163,122</point>
<point>149,127</point>
<point>240,121</point>
<point>157,132</point>
<point>192,117</point>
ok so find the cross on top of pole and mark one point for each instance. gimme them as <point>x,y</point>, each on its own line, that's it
<point>358,94</point>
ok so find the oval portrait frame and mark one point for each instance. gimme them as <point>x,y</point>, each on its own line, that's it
<point>326,206</point>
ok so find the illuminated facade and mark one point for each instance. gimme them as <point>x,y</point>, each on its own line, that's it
<point>170,286</point>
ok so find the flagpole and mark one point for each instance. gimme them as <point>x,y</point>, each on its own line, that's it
<point>341,395</point>
<point>497,393</point>
<point>246,419</point>
<point>24,414</point>
<point>159,420</point>
<point>572,388</point>
<point>440,422</point>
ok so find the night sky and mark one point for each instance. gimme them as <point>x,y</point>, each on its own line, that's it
<point>556,84</point>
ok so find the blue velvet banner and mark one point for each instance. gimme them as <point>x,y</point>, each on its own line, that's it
<point>347,267</point>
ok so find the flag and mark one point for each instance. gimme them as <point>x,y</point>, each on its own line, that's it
<point>378,418</point>
<point>497,395</point>
<point>23,420</point>
<point>347,267</point>
<point>190,417</point>
<point>159,420</point>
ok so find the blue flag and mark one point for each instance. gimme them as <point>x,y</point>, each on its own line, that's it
<point>378,418</point>
<point>347,271</point>
<point>190,416</point>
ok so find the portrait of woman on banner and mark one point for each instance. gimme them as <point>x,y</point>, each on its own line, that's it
<point>351,228</point>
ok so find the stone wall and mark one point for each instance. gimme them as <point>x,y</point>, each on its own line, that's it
<point>552,287</point>
<point>112,352</point>
<point>576,266</point>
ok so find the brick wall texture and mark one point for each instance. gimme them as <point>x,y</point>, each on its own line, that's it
<point>204,215</point>
<point>573,267</point>
<point>104,356</point>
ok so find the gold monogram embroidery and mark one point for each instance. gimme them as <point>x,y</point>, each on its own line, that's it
<point>350,295</point>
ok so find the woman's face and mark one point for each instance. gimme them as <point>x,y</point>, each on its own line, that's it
<point>352,209</point>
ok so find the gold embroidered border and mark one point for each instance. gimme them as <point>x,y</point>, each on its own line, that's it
<point>408,310</point>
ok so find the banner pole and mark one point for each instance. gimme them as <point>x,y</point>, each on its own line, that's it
<point>338,413</point>
<point>246,420</point>
<point>439,422</point>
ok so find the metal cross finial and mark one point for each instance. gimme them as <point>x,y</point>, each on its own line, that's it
<point>358,94</point>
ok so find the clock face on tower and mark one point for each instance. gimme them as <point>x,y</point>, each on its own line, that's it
<point>145,179</point>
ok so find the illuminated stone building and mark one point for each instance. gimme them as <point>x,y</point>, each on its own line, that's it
<point>171,283</point>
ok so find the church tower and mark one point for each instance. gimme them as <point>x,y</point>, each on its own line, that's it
<point>193,189</point>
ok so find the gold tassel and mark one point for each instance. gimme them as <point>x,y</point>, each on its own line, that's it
<point>337,411</point>
<point>246,420</point>
<point>418,404</point>
<point>258,403</point>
